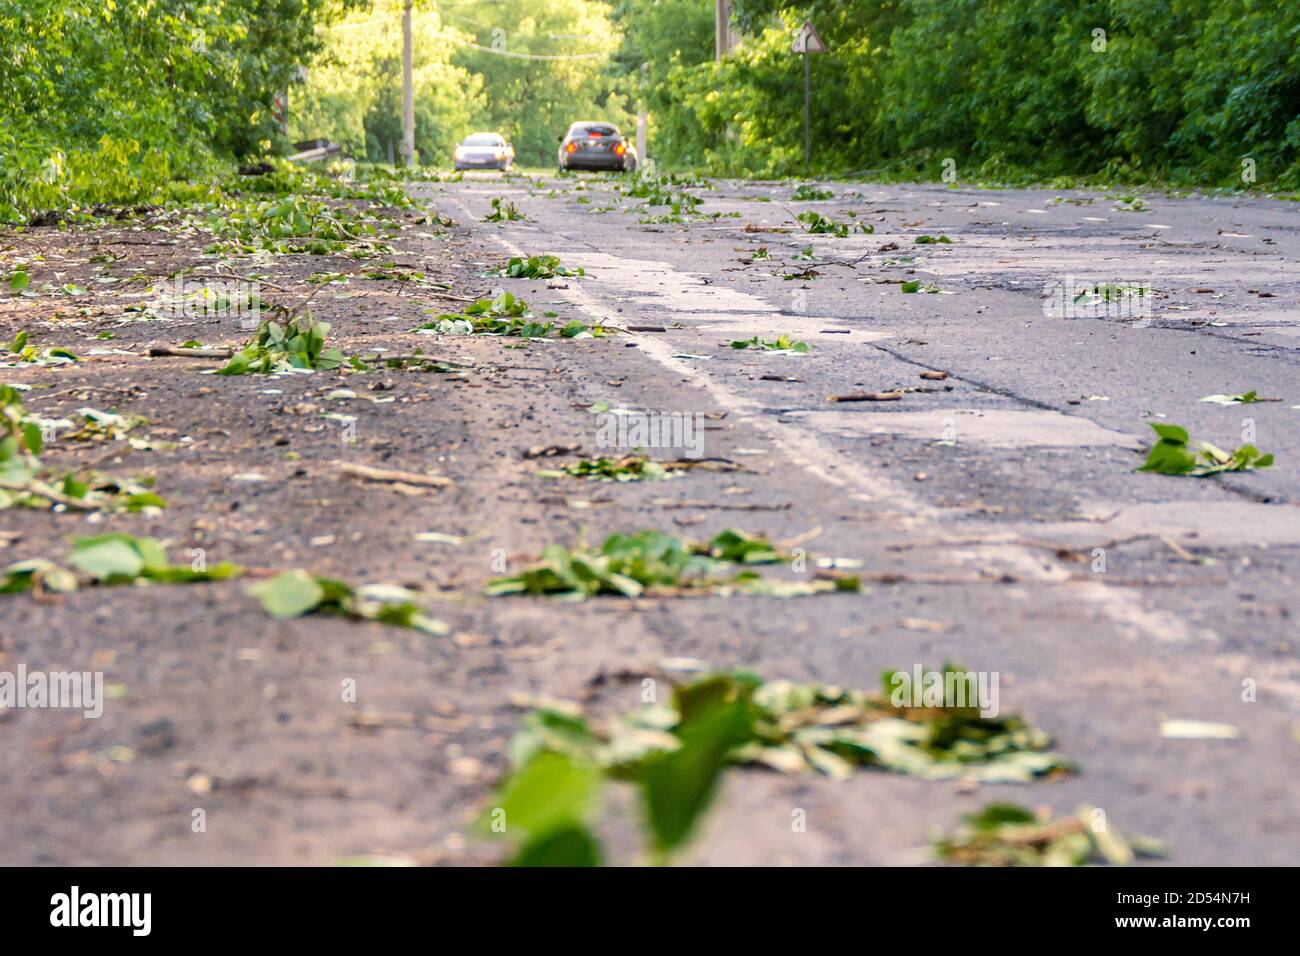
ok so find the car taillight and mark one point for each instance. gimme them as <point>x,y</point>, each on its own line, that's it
<point>594,134</point>
<point>621,148</point>
<point>571,148</point>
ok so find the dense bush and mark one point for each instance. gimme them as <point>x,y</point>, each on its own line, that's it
<point>1182,90</point>
<point>107,102</point>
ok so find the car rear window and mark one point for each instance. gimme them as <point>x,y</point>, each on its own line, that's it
<point>483,139</point>
<point>586,129</point>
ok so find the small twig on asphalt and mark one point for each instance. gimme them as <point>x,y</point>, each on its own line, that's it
<point>670,504</point>
<point>45,491</point>
<point>190,353</point>
<point>866,397</point>
<point>449,295</point>
<point>383,474</point>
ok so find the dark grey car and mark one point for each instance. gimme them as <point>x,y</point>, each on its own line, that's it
<point>591,145</point>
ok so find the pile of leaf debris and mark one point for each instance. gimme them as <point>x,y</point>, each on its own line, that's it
<point>653,563</point>
<point>675,754</point>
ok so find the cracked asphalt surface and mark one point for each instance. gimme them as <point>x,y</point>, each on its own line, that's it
<point>1003,496</point>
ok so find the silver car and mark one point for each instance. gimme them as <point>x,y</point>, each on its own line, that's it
<point>484,151</point>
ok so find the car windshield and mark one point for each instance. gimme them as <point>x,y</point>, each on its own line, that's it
<point>483,139</point>
<point>590,129</point>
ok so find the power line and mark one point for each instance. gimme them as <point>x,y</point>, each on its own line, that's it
<point>346,25</point>
<point>531,56</point>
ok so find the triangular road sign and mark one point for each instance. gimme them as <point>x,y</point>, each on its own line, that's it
<point>808,40</point>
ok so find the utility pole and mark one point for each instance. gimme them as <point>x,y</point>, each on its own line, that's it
<point>642,129</point>
<point>408,90</point>
<point>722,28</point>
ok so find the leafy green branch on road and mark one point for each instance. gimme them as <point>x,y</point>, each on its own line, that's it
<point>503,210</point>
<point>294,593</point>
<point>504,315</point>
<point>815,223</point>
<point>24,481</point>
<point>110,559</point>
<point>296,344</point>
<point>636,467</point>
<point>1173,454</point>
<point>782,343</point>
<point>625,468</point>
<point>535,267</point>
<point>293,224</point>
<point>1003,834</point>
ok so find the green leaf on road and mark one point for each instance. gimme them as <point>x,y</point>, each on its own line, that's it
<point>290,594</point>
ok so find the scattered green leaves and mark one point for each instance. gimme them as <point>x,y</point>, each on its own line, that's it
<point>17,353</point>
<point>806,192</point>
<point>293,223</point>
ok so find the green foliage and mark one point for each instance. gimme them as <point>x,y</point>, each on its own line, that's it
<point>532,102</point>
<point>1172,454</point>
<point>1181,90</point>
<point>107,103</point>
<point>915,285</point>
<point>353,92</point>
<point>561,765</point>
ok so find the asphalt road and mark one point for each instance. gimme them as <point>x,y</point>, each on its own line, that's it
<point>995,509</point>
<point>1127,599</point>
